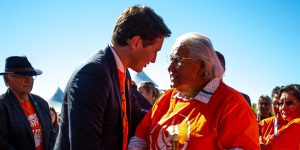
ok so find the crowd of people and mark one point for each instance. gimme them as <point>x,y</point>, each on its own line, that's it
<point>103,108</point>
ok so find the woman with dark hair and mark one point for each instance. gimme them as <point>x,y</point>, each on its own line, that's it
<point>54,119</point>
<point>289,108</point>
<point>271,125</point>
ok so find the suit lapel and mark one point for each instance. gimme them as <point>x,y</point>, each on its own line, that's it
<point>127,92</point>
<point>20,113</point>
<point>114,73</point>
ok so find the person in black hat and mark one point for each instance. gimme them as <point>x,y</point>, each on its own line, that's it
<point>25,121</point>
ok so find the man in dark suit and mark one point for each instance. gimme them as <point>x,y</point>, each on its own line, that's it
<point>98,112</point>
<point>25,121</point>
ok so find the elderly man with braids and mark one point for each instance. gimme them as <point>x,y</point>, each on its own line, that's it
<point>200,111</point>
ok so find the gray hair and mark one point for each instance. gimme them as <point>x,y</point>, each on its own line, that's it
<point>4,79</point>
<point>201,48</point>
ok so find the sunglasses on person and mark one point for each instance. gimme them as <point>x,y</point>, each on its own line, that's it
<point>287,103</point>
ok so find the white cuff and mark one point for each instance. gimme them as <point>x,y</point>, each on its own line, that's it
<point>136,143</point>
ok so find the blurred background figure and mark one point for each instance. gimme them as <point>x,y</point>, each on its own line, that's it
<point>25,121</point>
<point>141,99</point>
<point>149,91</point>
<point>271,125</point>
<point>289,107</point>
<point>54,118</point>
<point>223,63</point>
<point>58,118</point>
<point>275,99</point>
<point>264,108</point>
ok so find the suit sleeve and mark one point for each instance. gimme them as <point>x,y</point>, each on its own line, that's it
<point>87,98</point>
<point>3,131</point>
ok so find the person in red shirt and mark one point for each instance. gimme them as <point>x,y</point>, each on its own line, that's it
<point>287,137</point>
<point>199,111</point>
<point>271,125</point>
<point>25,121</point>
<point>223,63</point>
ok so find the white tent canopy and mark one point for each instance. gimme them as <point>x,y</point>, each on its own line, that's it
<point>56,100</point>
<point>140,77</point>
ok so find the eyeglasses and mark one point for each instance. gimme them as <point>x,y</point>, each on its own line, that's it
<point>177,61</point>
<point>287,103</point>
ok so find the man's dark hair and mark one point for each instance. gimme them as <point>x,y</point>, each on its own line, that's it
<point>223,63</point>
<point>294,89</point>
<point>275,90</point>
<point>221,59</point>
<point>141,21</point>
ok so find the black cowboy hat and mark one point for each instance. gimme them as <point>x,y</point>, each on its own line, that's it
<point>20,65</point>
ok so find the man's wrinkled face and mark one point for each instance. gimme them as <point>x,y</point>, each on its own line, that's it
<point>183,69</point>
<point>20,84</point>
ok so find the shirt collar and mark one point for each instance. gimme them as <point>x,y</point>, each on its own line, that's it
<point>117,59</point>
<point>205,94</point>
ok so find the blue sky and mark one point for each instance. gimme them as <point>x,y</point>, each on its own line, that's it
<point>259,39</point>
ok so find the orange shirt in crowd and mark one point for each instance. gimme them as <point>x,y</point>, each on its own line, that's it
<point>222,120</point>
<point>34,123</point>
<point>267,127</point>
<point>288,137</point>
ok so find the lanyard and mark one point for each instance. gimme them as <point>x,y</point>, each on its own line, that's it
<point>275,127</point>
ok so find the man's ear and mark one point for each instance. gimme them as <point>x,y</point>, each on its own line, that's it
<point>135,42</point>
<point>6,79</point>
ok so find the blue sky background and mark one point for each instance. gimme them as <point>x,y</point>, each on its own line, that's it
<point>259,39</point>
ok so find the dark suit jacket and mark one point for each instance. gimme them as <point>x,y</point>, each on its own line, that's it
<point>15,130</point>
<point>247,98</point>
<point>91,112</point>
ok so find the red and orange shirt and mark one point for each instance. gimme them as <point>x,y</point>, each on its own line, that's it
<point>34,123</point>
<point>267,127</point>
<point>288,137</point>
<point>217,118</point>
